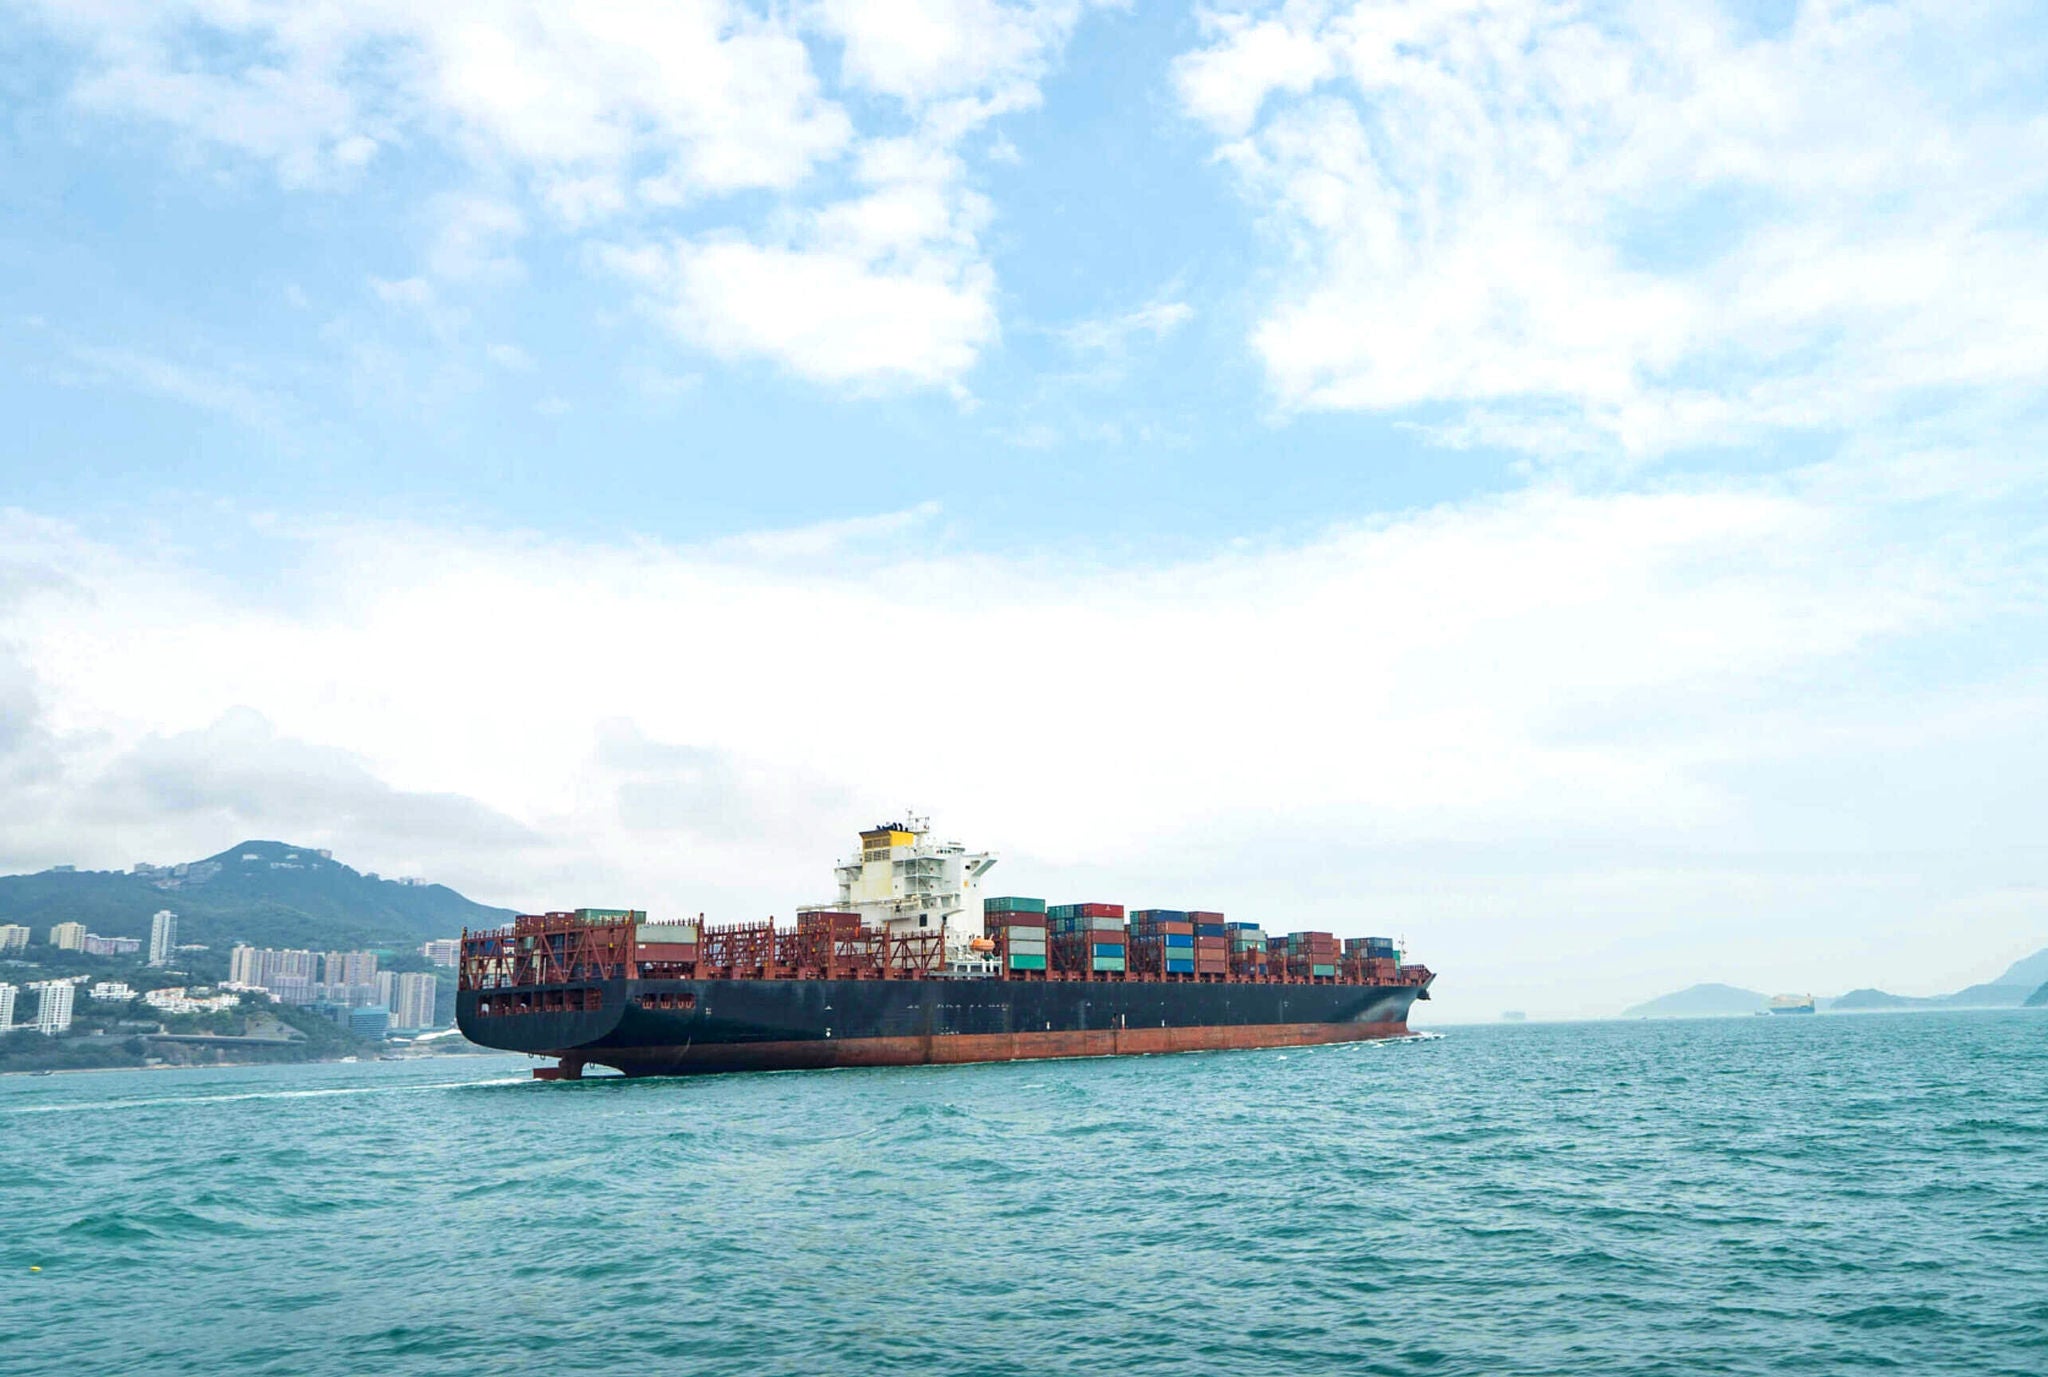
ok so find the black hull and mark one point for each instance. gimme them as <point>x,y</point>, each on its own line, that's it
<point>668,1027</point>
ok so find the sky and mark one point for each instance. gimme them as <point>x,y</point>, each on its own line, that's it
<point>1558,483</point>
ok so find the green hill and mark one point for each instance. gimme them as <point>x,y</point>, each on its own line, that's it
<point>2039,998</point>
<point>263,892</point>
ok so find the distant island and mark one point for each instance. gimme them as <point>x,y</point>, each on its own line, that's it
<point>326,958</point>
<point>2024,984</point>
<point>1701,1001</point>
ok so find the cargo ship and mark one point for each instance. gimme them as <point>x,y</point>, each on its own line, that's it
<point>910,964</point>
<point>1792,1004</point>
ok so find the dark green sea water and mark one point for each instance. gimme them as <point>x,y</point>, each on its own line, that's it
<point>1810,1195</point>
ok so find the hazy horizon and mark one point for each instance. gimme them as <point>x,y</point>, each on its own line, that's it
<point>1558,485</point>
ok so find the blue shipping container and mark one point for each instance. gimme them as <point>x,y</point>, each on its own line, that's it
<point>1179,939</point>
<point>1211,930</point>
<point>1176,966</point>
<point>1106,948</point>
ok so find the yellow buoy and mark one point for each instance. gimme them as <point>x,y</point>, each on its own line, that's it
<point>35,1269</point>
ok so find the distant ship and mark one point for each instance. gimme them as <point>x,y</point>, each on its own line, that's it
<point>1792,1004</point>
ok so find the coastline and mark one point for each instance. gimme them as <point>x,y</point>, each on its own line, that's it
<point>472,1051</point>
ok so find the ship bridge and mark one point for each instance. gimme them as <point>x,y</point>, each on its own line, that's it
<point>903,880</point>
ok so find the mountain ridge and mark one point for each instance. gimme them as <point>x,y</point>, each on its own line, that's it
<point>268,893</point>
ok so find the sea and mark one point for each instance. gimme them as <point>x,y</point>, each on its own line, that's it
<point>1809,1195</point>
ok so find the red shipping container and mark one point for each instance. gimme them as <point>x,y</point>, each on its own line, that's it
<point>1196,916</point>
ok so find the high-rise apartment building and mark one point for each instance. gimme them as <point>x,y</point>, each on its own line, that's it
<point>53,1008</point>
<point>13,938</point>
<point>163,937</point>
<point>414,1005</point>
<point>349,968</point>
<point>68,937</point>
<point>290,976</point>
<point>442,951</point>
<point>387,989</point>
<point>6,1007</point>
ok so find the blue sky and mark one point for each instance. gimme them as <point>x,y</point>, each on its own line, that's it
<point>1543,468</point>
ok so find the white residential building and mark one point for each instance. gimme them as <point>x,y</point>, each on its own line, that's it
<point>53,1009</point>
<point>68,936</point>
<point>163,937</point>
<point>288,975</point>
<point>117,991</point>
<point>181,1001</point>
<point>6,1007</point>
<point>13,938</point>
<point>442,951</point>
<point>414,1006</point>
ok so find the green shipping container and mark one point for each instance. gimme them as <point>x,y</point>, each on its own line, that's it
<point>1021,961</point>
<point>1012,904</point>
<point>1108,963</point>
<point>1322,970</point>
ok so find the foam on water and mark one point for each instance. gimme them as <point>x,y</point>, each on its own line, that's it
<point>1820,1195</point>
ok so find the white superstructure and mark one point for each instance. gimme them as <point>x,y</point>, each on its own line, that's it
<point>904,881</point>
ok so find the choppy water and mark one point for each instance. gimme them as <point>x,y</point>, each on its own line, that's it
<point>1819,1195</point>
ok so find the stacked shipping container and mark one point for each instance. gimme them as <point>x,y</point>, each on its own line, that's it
<point>1018,926</point>
<point>1164,940</point>
<point>1212,943</point>
<point>1089,938</point>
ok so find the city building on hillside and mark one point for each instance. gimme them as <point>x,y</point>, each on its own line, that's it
<point>118,991</point>
<point>163,937</point>
<point>68,937</point>
<point>414,1004</point>
<point>13,938</point>
<point>370,1022</point>
<point>183,1001</point>
<point>442,951</point>
<point>387,989</point>
<point>53,1007</point>
<point>96,945</point>
<point>289,975</point>
<point>349,968</point>
<point>6,1008</point>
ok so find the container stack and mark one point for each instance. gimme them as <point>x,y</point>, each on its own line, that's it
<point>1371,958</point>
<point>1018,926</point>
<point>1212,944</point>
<point>1309,955</point>
<point>1247,948</point>
<point>1088,939</point>
<point>1162,941</point>
<point>672,945</point>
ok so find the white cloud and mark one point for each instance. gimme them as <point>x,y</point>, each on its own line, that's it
<point>510,357</point>
<point>1641,227</point>
<point>1113,334</point>
<point>206,388</point>
<point>611,119</point>
<point>1561,738</point>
